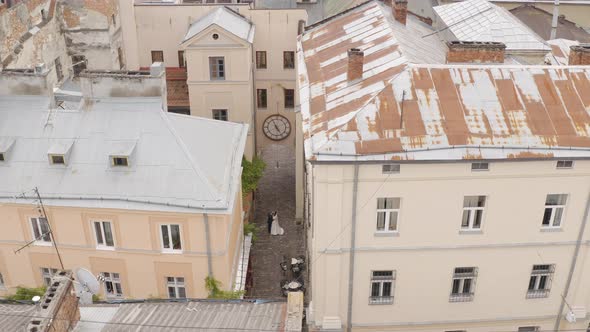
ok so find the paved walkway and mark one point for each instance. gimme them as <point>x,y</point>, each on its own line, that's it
<point>276,191</point>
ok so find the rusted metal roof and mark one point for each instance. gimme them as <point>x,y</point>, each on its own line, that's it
<point>560,51</point>
<point>412,110</point>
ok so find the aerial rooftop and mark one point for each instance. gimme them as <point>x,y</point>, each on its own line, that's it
<point>450,111</point>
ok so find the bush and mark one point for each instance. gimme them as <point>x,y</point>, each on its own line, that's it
<point>213,285</point>
<point>250,228</point>
<point>26,294</point>
<point>251,174</point>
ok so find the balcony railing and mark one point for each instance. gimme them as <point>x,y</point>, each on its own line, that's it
<point>380,299</point>
<point>537,293</point>
<point>461,297</point>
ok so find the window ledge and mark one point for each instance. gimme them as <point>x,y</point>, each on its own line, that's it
<point>551,229</point>
<point>105,248</point>
<point>470,231</point>
<point>43,244</point>
<point>173,252</point>
<point>386,234</point>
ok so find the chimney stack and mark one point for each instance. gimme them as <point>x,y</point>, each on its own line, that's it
<point>400,11</point>
<point>478,52</point>
<point>356,59</point>
<point>579,55</point>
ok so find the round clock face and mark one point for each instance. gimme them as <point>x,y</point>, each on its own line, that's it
<point>276,127</point>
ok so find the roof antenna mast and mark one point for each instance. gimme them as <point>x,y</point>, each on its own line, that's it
<point>43,216</point>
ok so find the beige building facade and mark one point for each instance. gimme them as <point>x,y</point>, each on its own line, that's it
<point>440,194</point>
<point>126,193</point>
<point>250,91</point>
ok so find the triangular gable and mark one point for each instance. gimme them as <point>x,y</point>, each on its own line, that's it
<point>206,38</point>
<point>226,19</point>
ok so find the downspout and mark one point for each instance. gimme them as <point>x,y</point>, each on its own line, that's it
<point>573,265</point>
<point>254,100</point>
<point>208,242</point>
<point>355,184</point>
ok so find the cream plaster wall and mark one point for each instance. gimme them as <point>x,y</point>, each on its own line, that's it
<point>430,245</point>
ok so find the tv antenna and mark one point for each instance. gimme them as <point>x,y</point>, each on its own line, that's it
<point>85,285</point>
<point>42,218</point>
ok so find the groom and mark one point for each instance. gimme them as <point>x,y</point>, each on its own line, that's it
<point>269,221</point>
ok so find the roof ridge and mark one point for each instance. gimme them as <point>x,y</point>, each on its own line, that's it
<point>193,164</point>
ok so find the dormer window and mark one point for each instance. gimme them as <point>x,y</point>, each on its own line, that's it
<point>119,161</point>
<point>121,153</point>
<point>59,152</point>
<point>58,159</point>
<point>6,144</point>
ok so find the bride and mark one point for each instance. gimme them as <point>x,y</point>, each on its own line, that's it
<point>275,228</point>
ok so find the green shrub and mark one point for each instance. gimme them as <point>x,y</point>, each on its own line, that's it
<point>250,228</point>
<point>26,294</point>
<point>213,285</point>
<point>251,174</point>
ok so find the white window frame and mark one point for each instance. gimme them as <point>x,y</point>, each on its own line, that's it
<point>104,245</point>
<point>218,68</point>
<point>537,273</point>
<point>554,208</point>
<point>473,213</point>
<point>114,279</point>
<point>46,274</point>
<point>176,284</point>
<point>388,216</point>
<point>462,296</point>
<point>170,242</point>
<point>38,228</point>
<point>563,164</point>
<point>380,281</point>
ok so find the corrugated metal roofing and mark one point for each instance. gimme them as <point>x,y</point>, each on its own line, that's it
<point>226,19</point>
<point>449,111</point>
<point>199,316</point>
<point>479,20</point>
<point>560,51</point>
<point>170,169</point>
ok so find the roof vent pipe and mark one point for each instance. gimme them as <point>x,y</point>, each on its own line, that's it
<point>356,59</point>
<point>400,11</point>
<point>554,19</point>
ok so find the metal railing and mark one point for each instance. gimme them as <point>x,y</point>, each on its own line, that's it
<point>380,299</point>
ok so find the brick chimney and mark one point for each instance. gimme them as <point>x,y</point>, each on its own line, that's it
<point>579,55</point>
<point>59,309</point>
<point>356,59</point>
<point>478,52</point>
<point>400,11</point>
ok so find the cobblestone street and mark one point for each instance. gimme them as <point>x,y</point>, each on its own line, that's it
<point>276,191</point>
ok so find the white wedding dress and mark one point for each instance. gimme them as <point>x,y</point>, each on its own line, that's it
<point>275,228</point>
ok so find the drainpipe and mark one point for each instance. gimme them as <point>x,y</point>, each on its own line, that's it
<point>573,264</point>
<point>254,102</point>
<point>554,20</point>
<point>208,242</point>
<point>355,185</point>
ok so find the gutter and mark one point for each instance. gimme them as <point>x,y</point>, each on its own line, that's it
<point>572,265</point>
<point>355,184</point>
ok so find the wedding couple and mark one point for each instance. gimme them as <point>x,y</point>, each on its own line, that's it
<point>273,224</point>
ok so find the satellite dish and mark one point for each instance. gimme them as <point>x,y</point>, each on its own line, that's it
<point>87,280</point>
<point>86,285</point>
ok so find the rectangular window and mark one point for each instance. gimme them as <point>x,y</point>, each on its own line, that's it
<point>181,62</point>
<point>554,207</point>
<point>288,60</point>
<point>104,234</point>
<point>120,161</point>
<point>261,59</point>
<point>112,285</point>
<point>382,286</point>
<point>540,281</point>
<point>480,166</point>
<point>261,98</point>
<point>390,169</point>
<point>463,286</point>
<point>1,281</point>
<point>473,207</point>
<point>40,228</point>
<point>1,156</point>
<point>79,63</point>
<point>58,159</point>
<point>387,214</point>
<point>46,274</point>
<point>220,115</point>
<point>565,164</point>
<point>171,237</point>
<point>289,98</point>
<point>528,329</point>
<point>176,288</point>
<point>217,68</point>
<point>157,56</point>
